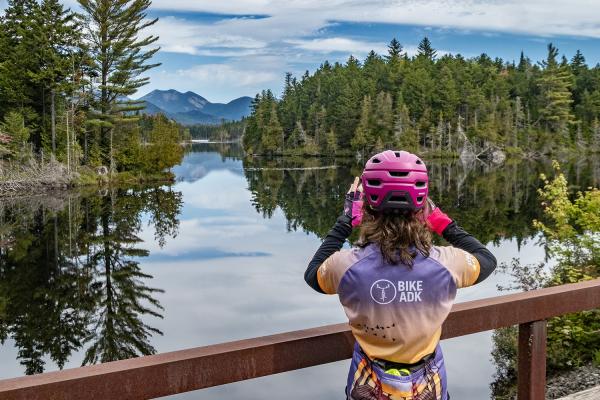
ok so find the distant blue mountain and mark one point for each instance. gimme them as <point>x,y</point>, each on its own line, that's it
<point>190,108</point>
<point>152,109</point>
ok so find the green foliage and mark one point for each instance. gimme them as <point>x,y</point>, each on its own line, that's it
<point>555,83</point>
<point>65,80</point>
<point>360,139</point>
<point>163,150</point>
<point>596,358</point>
<point>272,139</point>
<point>572,235</point>
<point>117,60</point>
<point>233,129</point>
<point>570,230</point>
<point>435,104</point>
<point>17,136</point>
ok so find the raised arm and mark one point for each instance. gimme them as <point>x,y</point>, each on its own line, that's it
<point>444,226</point>
<point>336,237</point>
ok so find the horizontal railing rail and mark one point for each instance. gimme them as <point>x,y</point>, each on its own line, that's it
<point>186,370</point>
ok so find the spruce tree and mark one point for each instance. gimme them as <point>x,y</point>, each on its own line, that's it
<point>331,143</point>
<point>14,127</point>
<point>384,117</point>
<point>555,83</point>
<point>272,139</point>
<point>426,50</point>
<point>394,50</point>
<point>114,34</point>
<point>56,37</point>
<point>363,131</point>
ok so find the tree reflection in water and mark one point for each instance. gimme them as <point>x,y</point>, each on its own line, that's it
<point>493,203</point>
<point>70,276</point>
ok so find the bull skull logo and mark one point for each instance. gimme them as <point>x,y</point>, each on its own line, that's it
<point>383,291</point>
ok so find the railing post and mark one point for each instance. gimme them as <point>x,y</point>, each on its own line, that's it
<point>532,361</point>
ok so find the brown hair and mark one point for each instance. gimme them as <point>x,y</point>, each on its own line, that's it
<point>400,234</point>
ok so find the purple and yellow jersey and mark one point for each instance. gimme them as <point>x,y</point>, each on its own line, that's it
<point>396,312</point>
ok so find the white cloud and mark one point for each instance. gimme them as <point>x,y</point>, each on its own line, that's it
<point>181,36</point>
<point>226,73</point>
<point>339,44</point>
<point>538,17</point>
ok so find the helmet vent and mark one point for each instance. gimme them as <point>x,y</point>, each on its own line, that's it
<point>419,199</point>
<point>419,161</point>
<point>374,197</point>
<point>397,154</point>
<point>376,161</point>
<point>420,184</point>
<point>373,182</point>
<point>399,174</point>
<point>398,199</point>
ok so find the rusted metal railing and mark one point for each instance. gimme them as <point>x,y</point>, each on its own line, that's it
<point>181,371</point>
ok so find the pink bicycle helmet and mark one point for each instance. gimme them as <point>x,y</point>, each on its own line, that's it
<point>395,180</point>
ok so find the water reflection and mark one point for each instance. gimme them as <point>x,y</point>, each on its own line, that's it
<point>70,276</point>
<point>492,202</point>
<point>74,282</point>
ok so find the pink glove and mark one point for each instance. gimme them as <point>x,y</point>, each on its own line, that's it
<point>437,220</point>
<point>353,203</point>
<point>357,212</point>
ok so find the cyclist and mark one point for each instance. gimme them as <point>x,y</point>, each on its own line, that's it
<point>395,286</point>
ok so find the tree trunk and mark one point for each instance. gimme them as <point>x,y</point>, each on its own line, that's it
<point>68,143</point>
<point>53,122</point>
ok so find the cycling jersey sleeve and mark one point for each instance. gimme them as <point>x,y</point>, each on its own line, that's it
<point>332,243</point>
<point>463,266</point>
<point>486,262</point>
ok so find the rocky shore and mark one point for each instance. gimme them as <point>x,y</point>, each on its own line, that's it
<point>574,381</point>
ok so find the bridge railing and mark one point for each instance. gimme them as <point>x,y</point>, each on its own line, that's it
<point>186,370</point>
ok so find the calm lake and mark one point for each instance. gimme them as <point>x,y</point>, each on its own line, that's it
<point>97,275</point>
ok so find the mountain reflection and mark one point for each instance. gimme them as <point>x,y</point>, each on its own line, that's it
<point>70,277</point>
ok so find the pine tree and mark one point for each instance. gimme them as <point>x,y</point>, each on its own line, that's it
<point>519,123</point>
<point>272,138</point>
<point>120,58</point>
<point>555,83</point>
<point>578,63</point>
<point>426,50</point>
<point>438,135</point>
<point>394,50</point>
<point>384,117</point>
<point>56,37</point>
<point>164,150</point>
<point>363,131</point>
<point>596,135</point>
<point>405,136</point>
<point>16,58</point>
<point>14,127</point>
<point>331,142</point>
<point>523,63</point>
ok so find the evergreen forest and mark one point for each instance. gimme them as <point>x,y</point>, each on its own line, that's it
<point>65,84</point>
<point>439,104</point>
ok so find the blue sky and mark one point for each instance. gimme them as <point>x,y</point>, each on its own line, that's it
<point>230,48</point>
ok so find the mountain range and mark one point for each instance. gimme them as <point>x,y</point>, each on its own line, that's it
<point>190,108</point>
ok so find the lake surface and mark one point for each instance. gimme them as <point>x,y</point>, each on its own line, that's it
<point>97,275</point>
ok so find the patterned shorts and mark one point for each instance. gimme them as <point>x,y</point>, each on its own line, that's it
<point>368,381</point>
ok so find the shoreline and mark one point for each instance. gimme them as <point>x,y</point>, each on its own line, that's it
<point>22,188</point>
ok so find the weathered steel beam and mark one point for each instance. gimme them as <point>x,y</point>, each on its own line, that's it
<point>180,371</point>
<point>531,378</point>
